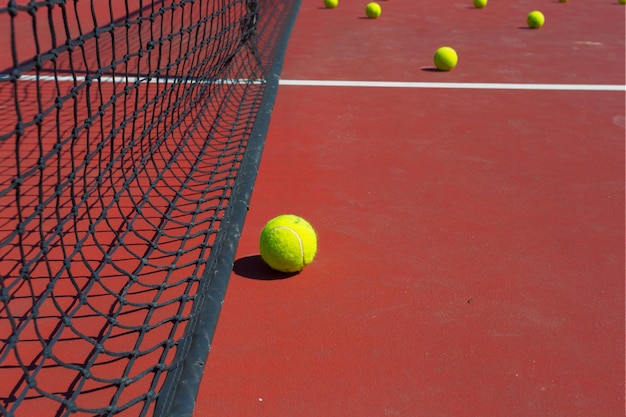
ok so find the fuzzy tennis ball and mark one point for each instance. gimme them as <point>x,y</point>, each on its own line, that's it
<point>479,4</point>
<point>535,19</point>
<point>622,1</point>
<point>445,58</point>
<point>373,10</point>
<point>331,4</point>
<point>288,243</point>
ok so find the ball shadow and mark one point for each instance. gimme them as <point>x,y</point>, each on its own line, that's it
<point>431,69</point>
<point>253,267</point>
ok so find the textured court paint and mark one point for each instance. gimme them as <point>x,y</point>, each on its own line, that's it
<point>473,259</point>
<point>337,45</point>
<point>519,214</point>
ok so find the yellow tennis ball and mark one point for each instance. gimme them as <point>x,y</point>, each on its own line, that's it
<point>331,4</point>
<point>535,19</point>
<point>446,58</point>
<point>479,4</point>
<point>288,243</point>
<point>622,1</point>
<point>373,10</point>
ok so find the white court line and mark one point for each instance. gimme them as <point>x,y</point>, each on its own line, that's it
<point>476,86</point>
<point>333,83</point>
<point>131,79</point>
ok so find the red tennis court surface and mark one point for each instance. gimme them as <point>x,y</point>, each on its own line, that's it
<point>471,257</point>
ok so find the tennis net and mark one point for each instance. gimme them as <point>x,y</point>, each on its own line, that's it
<point>130,135</point>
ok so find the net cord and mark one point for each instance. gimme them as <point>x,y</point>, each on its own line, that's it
<point>180,389</point>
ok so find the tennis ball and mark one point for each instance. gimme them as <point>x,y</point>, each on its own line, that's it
<point>479,4</point>
<point>535,19</point>
<point>446,58</point>
<point>373,10</point>
<point>331,4</point>
<point>622,1</point>
<point>288,243</point>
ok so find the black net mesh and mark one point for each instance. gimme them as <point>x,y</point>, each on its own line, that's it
<point>123,128</point>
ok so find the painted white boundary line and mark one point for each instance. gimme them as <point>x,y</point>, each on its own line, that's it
<point>334,83</point>
<point>477,86</point>
<point>130,79</point>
